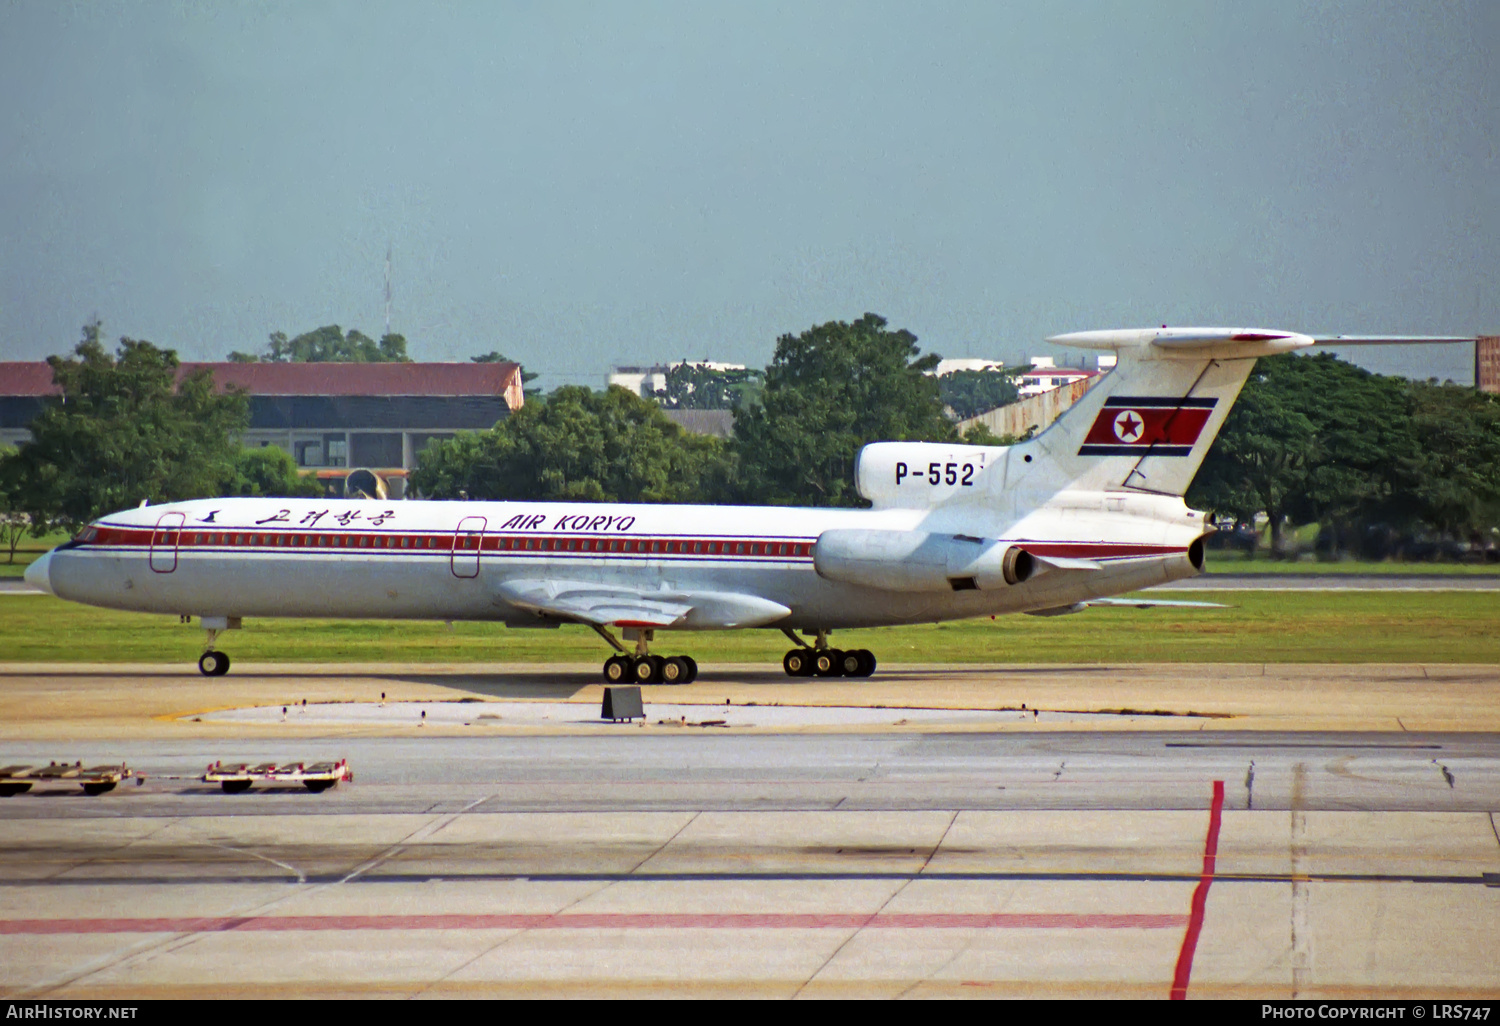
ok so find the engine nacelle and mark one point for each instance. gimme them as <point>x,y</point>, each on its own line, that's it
<point>919,475</point>
<point>919,561</point>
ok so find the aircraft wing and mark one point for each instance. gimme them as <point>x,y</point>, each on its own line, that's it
<point>1079,607</point>
<point>601,604</point>
<point>1389,340</point>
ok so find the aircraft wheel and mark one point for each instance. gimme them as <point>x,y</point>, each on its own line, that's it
<point>11,790</point>
<point>213,664</point>
<point>235,786</point>
<point>692,669</point>
<point>851,663</point>
<point>828,663</point>
<point>646,669</point>
<point>675,671</point>
<point>866,663</point>
<point>797,663</point>
<point>97,789</point>
<point>317,786</point>
<point>617,669</point>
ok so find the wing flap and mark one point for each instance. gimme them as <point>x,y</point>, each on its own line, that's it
<point>603,604</point>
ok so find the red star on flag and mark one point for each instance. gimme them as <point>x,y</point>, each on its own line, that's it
<point>1128,426</point>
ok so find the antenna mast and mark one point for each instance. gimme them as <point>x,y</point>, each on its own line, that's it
<point>387,288</point>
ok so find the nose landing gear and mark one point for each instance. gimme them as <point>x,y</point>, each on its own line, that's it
<point>818,660</point>
<point>213,663</point>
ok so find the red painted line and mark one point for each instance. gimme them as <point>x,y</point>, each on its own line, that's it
<point>1184,972</point>
<point>605,921</point>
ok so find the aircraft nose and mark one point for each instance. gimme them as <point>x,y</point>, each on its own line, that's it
<point>39,573</point>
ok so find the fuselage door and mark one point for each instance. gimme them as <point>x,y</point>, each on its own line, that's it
<point>468,541</point>
<point>164,539</point>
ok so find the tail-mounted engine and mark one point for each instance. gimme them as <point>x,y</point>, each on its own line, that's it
<point>919,561</point>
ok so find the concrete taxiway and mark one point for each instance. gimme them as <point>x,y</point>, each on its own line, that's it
<point>811,845</point>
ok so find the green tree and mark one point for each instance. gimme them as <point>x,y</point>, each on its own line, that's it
<point>269,471</point>
<point>1312,439</point>
<point>581,445</point>
<point>1453,482</point>
<point>696,386</point>
<point>968,393</point>
<point>329,344</point>
<point>978,434</point>
<point>122,431</point>
<point>14,523</point>
<point>829,391</point>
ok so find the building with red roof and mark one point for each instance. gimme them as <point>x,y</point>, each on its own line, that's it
<point>331,417</point>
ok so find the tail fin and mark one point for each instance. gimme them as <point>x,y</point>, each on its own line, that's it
<point>1148,425</point>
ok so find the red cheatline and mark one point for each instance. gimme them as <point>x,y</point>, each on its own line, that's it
<point>1184,970</point>
<point>608,921</point>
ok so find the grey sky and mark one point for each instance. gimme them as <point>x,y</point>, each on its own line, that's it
<point>578,184</point>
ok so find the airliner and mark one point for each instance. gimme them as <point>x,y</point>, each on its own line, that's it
<point>1090,509</point>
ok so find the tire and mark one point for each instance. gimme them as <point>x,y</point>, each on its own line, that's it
<point>213,664</point>
<point>235,786</point>
<point>646,670</point>
<point>827,663</point>
<point>616,670</point>
<point>98,789</point>
<point>797,662</point>
<point>317,786</point>
<point>11,790</point>
<point>675,671</point>
<point>866,662</point>
<point>692,669</point>
<point>850,663</point>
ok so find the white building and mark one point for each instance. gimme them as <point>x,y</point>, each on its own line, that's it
<point>1045,374</point>
<point>641,380</point>
<point>965,364</point>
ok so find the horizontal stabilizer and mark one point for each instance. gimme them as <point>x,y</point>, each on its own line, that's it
<point>1078,607</point>
<point>1153,603</point>
<point>1389,340</point>
<point>1233,343</point>
<point>1066,563</point>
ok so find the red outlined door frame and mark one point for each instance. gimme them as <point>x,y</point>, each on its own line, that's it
<point>164,540</point>
<point>468,543</point>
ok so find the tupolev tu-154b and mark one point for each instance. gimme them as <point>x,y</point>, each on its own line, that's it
<point>1090,508</point>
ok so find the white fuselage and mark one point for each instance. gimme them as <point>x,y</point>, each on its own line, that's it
<point>453,560</point>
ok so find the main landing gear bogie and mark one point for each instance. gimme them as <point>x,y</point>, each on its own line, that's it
<point>650,669</point>
<point>829,662</point>
<point>819,660</point>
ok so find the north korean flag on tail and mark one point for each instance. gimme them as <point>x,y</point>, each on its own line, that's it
<point>1147,426</point>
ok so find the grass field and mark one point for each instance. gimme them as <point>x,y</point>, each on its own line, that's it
<point>1333,627</point>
